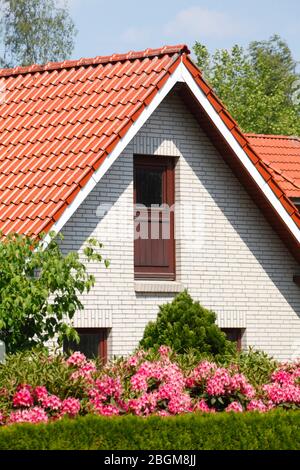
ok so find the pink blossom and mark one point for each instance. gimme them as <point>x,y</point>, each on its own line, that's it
<point>109,386</point>
<point>164,351</point>
<point>235,406</point>
<point>40,393</point>
<point>144,405</point>
<point>107,410</point>
<point>52,402</point>
<point>282,377</point>
<point>70,406</point>
<point>282,393</point>
<point>76,359</point>
<point>202,406</point>
<point>85,372</point>
<point>163,413</point>
<point>257,405</point>
<point>23,397</point>
<point>34,415</point>
<point>201,373</point>
<point>180,403</point>
<point>219,382</point>
<point>133,361</point>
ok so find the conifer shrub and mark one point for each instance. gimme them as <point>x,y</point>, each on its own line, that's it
<point>185,325</point>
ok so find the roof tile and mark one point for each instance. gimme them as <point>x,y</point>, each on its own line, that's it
<point>281,154</point>
<point>59,122</point>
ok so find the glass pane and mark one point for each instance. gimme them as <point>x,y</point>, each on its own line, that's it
<point>89,345</point>
<point>148,186</point>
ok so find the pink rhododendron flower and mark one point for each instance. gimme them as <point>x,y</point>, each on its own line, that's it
<point>52,402</point>
<point>282,393</point>
<point>70,406</point>
<point>164,351</point>
<point>76,359</point>
<point>163,413</point>
<point>282,377</point>
<point>133,361</point>
<point>257,405</point>
<point>40,393</point>
<point>235,406</point>
<point>203,407</point>
<point>180,403</point>
<point>201,373</point>
<point>107,410</point>
<point>85,372</point>
<point>22,398</point>
<point>144,405</point>
<point>33,415</point>
<point>238,383</point>
<point>219,382</point>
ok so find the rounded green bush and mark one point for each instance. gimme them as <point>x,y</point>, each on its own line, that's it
<point>185,325</point>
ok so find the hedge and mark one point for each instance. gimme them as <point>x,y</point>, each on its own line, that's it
<point>248,431</point>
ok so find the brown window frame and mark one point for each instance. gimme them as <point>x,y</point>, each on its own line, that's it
<point>168,163</point>
<point>239,335</point>
<point>102,346</point>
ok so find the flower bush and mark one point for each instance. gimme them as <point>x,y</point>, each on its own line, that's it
<point>143,384</point>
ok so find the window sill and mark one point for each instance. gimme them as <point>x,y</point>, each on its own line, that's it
<point>152,286</point>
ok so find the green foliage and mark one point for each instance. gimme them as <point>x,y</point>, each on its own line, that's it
<point>35,31</point>
<point>257,366</point>
<point>37,368</point>
<point>185,325</point>
<point>224,431</point>
<point>39,290</point>
<point>259,85</point>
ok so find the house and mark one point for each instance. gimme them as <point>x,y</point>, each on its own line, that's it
<point>88,146</point>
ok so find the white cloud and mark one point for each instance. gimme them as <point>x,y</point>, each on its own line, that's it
<point>202,22</point>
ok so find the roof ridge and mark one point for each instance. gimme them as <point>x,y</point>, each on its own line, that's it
<point>131,55</point>
<point>272,136</point>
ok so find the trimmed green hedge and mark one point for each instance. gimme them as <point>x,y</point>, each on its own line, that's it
<point>274,430</point>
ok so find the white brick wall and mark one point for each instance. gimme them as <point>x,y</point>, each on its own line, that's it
<point>227,254</point>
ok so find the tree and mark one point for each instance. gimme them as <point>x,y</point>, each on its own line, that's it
<point>39,290</point>
<point>185,325</point>
<point>35,31</point>
<point>259,85</point>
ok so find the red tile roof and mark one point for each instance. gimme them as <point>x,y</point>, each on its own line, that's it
<point>58,123</point>
<point>282,156</point>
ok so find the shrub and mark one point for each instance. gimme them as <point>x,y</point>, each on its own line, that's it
<point>36,369</point>
<point>40,387</point>
<point>256,365</point>
<point>185,325</point>
<point>40,289</point>
<point>224,431</point>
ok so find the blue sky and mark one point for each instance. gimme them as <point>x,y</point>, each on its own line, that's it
<point>112,26</point>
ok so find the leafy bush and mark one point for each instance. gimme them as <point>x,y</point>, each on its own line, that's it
<point>256,365</point>
<point>38,368</point>
<point>224,431</point>
<point>39,289</point>
<point>39,388</point>
<point>185,325</point>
